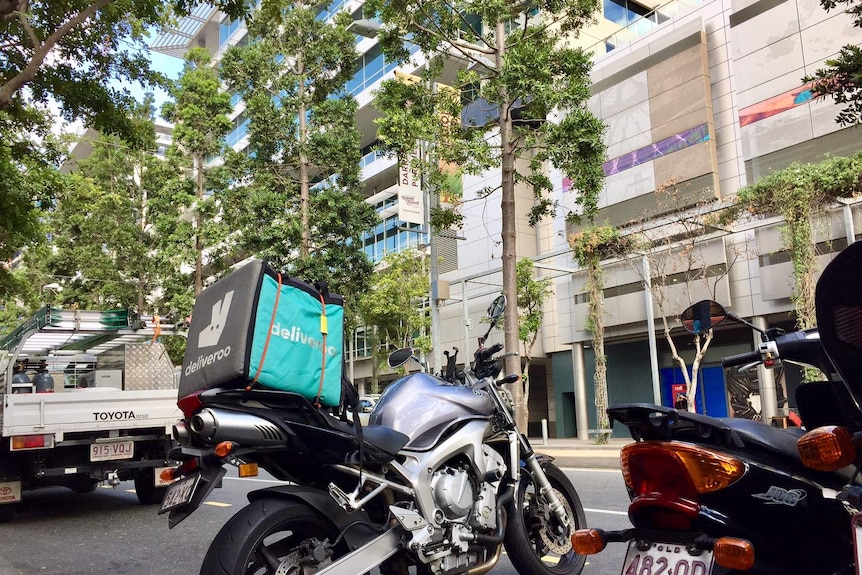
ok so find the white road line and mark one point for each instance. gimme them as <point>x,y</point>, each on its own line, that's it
<point>606,511</point>
<point>591,469</point>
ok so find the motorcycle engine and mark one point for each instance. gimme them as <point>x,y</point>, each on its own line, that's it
<point>453,492</point>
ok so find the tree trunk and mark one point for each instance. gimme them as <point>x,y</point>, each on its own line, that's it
<point>303,164</point>
<point>199,246</point>
<point>508,236</point>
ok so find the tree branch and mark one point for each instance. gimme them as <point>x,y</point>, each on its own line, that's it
<point>11,87</point>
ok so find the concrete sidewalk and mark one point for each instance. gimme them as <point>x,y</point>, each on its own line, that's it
<point>570,452</point>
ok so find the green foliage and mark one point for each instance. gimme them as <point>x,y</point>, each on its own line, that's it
<point>99,241</point>
<point>798,193</point>
<point>199,108</point>
<point>29,155</point>
<point>393,304</point>
<point>532,295</point>
<point>297,198</point>
<point>589,247</point>
<point>536,76</point>
<point>842,76</point>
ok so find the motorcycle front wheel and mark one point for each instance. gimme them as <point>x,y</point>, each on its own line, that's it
<point>271,535</point>
<point>530,544</point>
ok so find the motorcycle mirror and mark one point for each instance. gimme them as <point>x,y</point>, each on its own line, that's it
<point>702,316</point>
<point>399,357</point>
<point>497,307</point>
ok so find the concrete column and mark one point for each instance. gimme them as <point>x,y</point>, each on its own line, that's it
<point>465,317</point>
<point>766,377</point>
<point>653,347</point>
<point>580,383</point>
<point>849,228</point>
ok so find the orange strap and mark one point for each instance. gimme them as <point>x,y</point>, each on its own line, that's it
<point>324,329</point>
<point>158,331</point>
<point>268,332</point>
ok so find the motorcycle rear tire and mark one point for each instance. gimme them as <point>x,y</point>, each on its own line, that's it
<point>271,526</point>
<point>527,549</point>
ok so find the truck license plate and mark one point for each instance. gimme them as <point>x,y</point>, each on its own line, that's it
<point>664,559</point>
<point>112,450</point>
<point>180,492</point>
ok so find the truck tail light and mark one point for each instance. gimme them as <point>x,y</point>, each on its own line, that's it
<point>22,442</point>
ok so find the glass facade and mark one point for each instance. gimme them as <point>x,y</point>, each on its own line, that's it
<point>391,235</point>
<point>626,13</point>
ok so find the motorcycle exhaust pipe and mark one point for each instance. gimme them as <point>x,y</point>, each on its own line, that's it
<point>217,425</point>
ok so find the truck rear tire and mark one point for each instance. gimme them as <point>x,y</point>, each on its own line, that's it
<point>145,487</point>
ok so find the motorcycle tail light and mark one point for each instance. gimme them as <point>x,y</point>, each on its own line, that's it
<point>827,448</point>
<point>167,474</point>
<point>732,553</point>
<point>666,479</point>
<point>190,404</point>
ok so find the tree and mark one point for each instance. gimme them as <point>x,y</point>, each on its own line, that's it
<point>297,198</point>
<point>75,54</point>
<point>798,193</point>
<point>514,59</point>
<point>842,77</point>
<point>100,246</point>
<point>199,113</point>
<point>590,246</point>
<point>29,154</point>
<point>679,273</point>
<point>532,295</point>
<point>393,306</point>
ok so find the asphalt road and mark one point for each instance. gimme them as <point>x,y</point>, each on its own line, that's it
<point>58,532</point>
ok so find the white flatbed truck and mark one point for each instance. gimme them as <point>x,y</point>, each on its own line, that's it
<point>104,411</point>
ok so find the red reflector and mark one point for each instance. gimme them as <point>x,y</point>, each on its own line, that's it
<point>190,404</point>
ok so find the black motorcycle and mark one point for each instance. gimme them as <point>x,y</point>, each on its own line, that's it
<point>437,482</point>
<point>724,495</point>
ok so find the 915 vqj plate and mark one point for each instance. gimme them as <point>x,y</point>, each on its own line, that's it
<point>665,559</point>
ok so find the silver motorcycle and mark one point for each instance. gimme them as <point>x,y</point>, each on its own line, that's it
<point>439,480</point>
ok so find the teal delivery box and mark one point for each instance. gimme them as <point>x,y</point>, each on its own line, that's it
<point>256,326</point>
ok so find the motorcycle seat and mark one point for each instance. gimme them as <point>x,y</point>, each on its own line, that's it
<point>781,441</point>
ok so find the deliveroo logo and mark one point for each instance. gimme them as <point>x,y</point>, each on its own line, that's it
<point>212,333</point>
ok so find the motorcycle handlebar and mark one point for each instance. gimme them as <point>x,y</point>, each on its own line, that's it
<point>485,354</point>
<point>741,359</point>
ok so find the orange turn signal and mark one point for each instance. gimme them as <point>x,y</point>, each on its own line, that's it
<point>588,541</point>
<point>224,448</point>
<point>167,475</point>
<point>827,448</point>
<point>248,470</point>
<point>736,554</point>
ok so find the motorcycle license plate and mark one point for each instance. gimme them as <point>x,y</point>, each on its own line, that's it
<point>180,492</point>
<point>665,559</point>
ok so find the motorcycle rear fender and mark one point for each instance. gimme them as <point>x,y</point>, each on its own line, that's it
<point>361,529</point>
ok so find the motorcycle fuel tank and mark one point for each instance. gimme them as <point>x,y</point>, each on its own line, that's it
<point>422,406</point>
